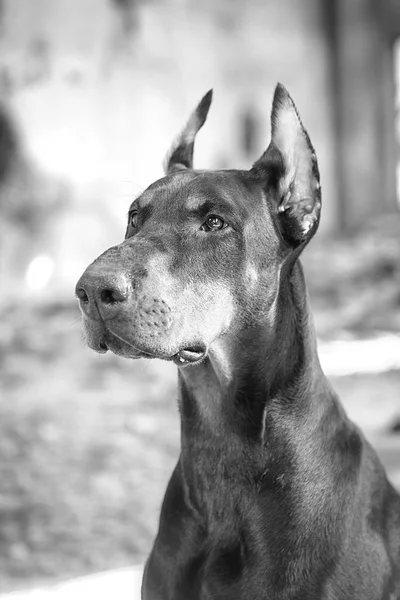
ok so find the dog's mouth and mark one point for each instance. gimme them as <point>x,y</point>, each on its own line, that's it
<point>116,345</point>
<point>102,338</point>
<point>190,356</point>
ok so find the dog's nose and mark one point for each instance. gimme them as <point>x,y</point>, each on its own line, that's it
<point>102,294</point>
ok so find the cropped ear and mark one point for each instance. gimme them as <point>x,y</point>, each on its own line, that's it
<point>180,156</point>
<point>289,170</point>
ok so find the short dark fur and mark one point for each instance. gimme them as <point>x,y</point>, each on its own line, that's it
<point>276,494</point>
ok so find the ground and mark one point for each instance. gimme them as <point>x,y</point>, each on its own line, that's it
<point>87,442</point>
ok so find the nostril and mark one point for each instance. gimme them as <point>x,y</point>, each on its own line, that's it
<point>107,297</point>
<point>111,296</point>
<point>82,295</point>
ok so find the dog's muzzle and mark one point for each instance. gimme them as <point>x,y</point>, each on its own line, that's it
<point>129,324</point>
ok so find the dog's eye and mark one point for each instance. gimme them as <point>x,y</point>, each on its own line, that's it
<point>213,223</point>
<point>133,219</point>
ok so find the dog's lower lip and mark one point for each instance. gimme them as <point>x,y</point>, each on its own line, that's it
<point>191,354</point>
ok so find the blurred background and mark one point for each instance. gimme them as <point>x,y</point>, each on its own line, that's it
<point>92,93</point>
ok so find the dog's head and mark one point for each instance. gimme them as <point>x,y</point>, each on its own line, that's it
<point>204,250</point>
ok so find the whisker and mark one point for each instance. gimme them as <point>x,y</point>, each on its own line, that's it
<point>75,321</point>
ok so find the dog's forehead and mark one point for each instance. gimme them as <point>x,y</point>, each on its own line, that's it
<point>193,190</point>
<point>165,188</point>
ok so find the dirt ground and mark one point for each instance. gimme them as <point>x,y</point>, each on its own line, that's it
<point>87,442</point>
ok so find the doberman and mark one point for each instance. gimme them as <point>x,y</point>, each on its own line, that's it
<point>276,494</point>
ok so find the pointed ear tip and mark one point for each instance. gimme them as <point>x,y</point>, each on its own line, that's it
<point>207,98</point>
<point>281,94</point>
<point>203,107</point>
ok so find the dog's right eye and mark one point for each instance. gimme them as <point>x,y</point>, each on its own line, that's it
<point>213,223</point>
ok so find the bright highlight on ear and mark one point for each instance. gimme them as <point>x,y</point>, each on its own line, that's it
<point>180,156</point>
<point>290,162</point>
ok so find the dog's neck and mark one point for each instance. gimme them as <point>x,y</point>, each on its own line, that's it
<point>245,372</point>
<point>236,405</point>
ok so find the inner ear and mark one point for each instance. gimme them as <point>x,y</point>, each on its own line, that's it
<point>180,156</point>
<point>290,166</point>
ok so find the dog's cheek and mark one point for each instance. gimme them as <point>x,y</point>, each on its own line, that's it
<point>208,310</point>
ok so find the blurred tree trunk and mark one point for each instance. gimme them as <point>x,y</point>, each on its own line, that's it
<point>362,61</point>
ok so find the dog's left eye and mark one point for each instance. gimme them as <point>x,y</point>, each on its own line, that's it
<point>213,223</point>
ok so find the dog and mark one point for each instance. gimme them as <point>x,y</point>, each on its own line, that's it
<point>276,494</point>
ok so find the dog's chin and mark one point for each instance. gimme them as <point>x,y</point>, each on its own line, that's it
<point>101,340</point>
<point>191,355</point>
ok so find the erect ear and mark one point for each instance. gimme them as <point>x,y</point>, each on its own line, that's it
<point>289,170</point>
<point>181,154</point>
